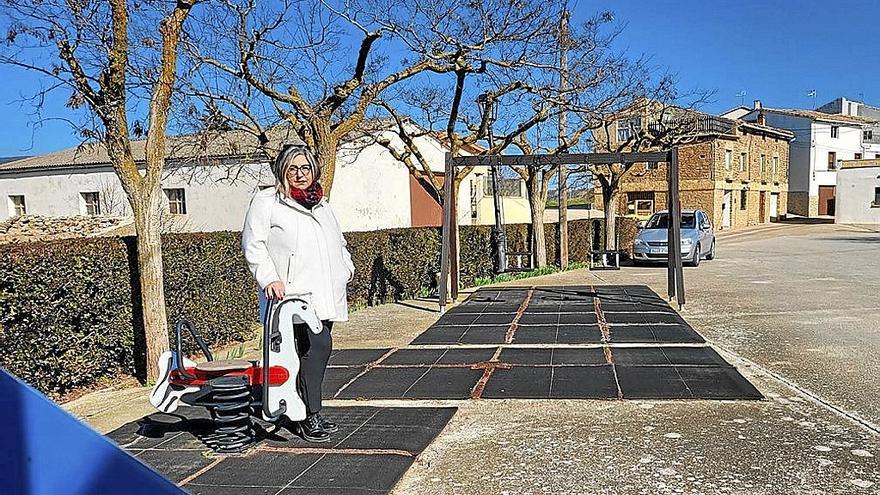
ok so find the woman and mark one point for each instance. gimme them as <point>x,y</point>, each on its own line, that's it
<point>293,245</point>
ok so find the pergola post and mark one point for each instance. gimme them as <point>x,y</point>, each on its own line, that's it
<point>675,272</point>
<point>446,238</point>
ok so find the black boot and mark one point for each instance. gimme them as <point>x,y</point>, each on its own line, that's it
<point>310,430</point>
<point>326,424</point>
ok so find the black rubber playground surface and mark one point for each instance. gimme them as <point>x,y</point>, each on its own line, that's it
<point>371,451</point>
<point>603,342</point>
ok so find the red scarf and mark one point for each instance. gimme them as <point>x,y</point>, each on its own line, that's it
<point>309,197</point>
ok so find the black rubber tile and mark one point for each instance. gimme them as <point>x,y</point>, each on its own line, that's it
<point>440,335</point>
<point>672,334</point>
<point>383,383</point>
<point>720,382</point>
<point>634,307</point>
<point>409,429</point>
<point>494,319</point>
<point>414,357</point>
<point>703,356</point>
<point>175,464</point>
<point>355,357</point>
<point>578,318</point>
<point>533,307</point>
<point>583,382</point>
<point>345,473</point>
<point>445,383</point>
<point>418,357</point>
<point>456,319</point>
<point>260,469</point>
<point>578,334</point>
<point>578,356</point>
<point>550,319</point>
<point>518,382</point>
<point>535,335</point>
<point>484,335</point>
<point>335,378</point>
<point>666,356</point>
<point>651,382</point>
<point>585,308</point>
<point>530,356</point>
<point>148,431</point>
<point>644,318</point>
<point>467,356</point>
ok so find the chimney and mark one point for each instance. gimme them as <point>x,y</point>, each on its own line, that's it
<point>758,105</point>
<point>762,120</point>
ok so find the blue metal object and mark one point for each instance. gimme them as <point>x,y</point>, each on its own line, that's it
<point>45,450</point>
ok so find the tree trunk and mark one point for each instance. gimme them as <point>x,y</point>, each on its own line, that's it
<point>325,153</point>
<point>537,203</point>
<point>609,203</point>
<point>146,208</point>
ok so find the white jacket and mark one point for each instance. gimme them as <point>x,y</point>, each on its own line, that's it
<point>282,240</point>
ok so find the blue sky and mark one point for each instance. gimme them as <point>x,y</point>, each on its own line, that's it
<point>775,51</point>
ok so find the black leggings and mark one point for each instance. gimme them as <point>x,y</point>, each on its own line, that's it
<point>314,352</point>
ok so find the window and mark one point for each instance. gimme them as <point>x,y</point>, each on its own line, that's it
<point>91,203</point>
<point>16,206</point>
<point>835,131</point>
<point>640,203</point>
<point>832,160</point>
<point>176,201</point>
<point>876,202</point>
<point>743,199</point>
<point>626,128</point>
<point>653,166</point>
<point>728,158</point>
<point>775,166</point>
<point>857,156</point>
<point>763,164</point>
<point>877,156</point>
<point>743,158</point>
<point>868,135</point>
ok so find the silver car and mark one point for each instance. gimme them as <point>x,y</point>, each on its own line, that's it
<point>697,238</point>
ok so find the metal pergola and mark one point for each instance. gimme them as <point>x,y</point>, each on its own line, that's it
<point>449,258</point>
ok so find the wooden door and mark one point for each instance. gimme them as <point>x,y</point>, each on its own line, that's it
<point>826,200</point>
<point>762,207</point>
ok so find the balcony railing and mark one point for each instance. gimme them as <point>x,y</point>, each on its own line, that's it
<point>704,124</point>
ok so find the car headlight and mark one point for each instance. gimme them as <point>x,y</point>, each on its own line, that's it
<point>639,242</point>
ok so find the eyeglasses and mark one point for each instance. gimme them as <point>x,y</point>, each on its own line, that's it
<point>293,170</point>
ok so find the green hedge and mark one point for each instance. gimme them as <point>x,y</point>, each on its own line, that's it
<point>66,317</point>
<point>66,310</point>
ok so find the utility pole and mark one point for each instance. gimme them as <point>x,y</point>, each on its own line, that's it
<point>498,230</point>
<point>562,183</point>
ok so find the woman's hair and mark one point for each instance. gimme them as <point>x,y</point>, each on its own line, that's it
<point>285,159</point>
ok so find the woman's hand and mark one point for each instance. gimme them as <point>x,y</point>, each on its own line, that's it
<point>275,290</point>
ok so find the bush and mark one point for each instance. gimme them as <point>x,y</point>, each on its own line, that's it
<point>68,312</point>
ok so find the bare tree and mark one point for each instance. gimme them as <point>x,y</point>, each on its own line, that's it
<point>318,66</point>
<point>652,124</point>
<point>118,60</point>
<point>526,91</point>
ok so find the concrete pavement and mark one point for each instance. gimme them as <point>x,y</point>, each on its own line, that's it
<point>793,307</point>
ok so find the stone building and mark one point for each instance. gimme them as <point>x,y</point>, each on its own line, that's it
<point>736,171</point>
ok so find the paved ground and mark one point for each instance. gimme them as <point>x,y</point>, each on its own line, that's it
<point>793,306</point>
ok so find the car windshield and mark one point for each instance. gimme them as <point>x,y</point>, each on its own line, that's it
<point>661,221</point>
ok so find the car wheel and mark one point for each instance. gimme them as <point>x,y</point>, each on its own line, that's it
<point>711,255</point>
<point>695,261</point>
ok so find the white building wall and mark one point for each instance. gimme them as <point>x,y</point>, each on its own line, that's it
<point>855,195</point>
<point>800,160</point>
<point>371,191</point>
<point>846,145</point>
